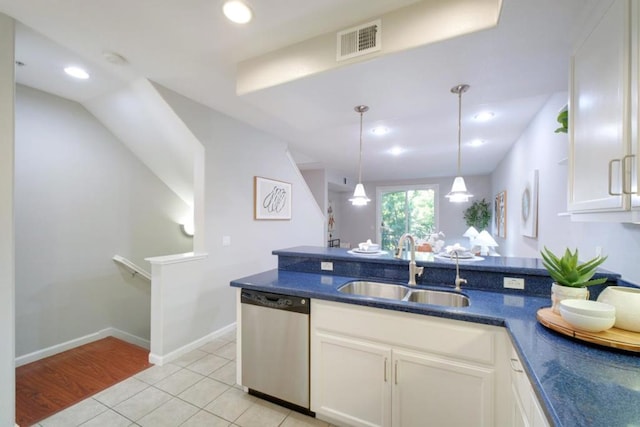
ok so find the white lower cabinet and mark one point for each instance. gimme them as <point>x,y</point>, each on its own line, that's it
<point>373,367</point>
<point>351,381</point>
<point>438,392</point>
<point>526,410</point>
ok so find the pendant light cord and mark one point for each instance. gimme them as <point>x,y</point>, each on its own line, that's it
<point>459,127</point>
<point>460,89</point>
<point>360,157</point>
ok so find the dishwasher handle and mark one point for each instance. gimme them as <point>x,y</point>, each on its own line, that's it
<point>275,301</point>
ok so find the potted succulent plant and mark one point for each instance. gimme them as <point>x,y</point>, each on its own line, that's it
<point>570,277</point>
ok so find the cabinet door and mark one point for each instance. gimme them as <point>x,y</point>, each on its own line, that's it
<point>526,409</point>
<point>351,381</point>
<point>518,414</point>
<point>600,114</point>
<point>432,391</point>
<point>538,418</point>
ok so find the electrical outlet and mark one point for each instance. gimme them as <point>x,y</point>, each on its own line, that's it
<point>513,283</point>
<point>326,266</point>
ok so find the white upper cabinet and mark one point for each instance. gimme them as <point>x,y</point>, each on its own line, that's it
<point>603,111</point>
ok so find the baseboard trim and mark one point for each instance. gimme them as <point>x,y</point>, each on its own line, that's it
<point>68,345</point>
<point>130,338</point>
<point>161,360</point>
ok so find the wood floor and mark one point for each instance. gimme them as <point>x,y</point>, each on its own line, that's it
<point>49,385</point>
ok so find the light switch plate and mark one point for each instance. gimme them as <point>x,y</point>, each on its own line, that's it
<point>513,283</point>
<point>326,266</point>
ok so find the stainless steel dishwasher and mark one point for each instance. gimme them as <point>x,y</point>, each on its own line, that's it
<point>275,347</point>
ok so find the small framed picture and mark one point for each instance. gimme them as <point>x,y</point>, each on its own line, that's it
<point>272,199</point>
<point>500,214</point>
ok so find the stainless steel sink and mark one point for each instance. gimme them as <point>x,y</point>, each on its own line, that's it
<point>403,293</point>
<point>375,289</point>
<point>427,296</point>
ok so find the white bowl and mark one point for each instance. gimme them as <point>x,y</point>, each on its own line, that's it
<point>589,308</point>
<point>368,247</point>
<point>587,323</point>
<point>627,303</point>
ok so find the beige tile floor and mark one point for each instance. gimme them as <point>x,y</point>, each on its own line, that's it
<point>199,389</point>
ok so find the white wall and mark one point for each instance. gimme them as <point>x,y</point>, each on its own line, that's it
<point>80,198</point>
<point>540,148</point>
<point>235,153</point>
<point>358,223</point>
<point>316,180</point>
<point>7,256</point>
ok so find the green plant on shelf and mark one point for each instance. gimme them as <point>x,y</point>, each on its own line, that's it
<point>563,119</point>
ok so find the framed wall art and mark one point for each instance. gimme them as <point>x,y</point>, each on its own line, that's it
<point>500,214</point>
<point>272,199</point>
<point>529,206</point>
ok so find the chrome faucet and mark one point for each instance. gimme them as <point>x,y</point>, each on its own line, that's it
<point>458,280</point>
<point>413,268</point>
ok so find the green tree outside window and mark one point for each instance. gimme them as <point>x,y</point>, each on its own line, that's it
<point>406,211</point>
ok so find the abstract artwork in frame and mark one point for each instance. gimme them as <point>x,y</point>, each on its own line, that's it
<point>529,206</point>
<point>500,214</point>
<point>272,199</point>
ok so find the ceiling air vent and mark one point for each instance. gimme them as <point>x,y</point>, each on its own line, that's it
<point>360,40</point>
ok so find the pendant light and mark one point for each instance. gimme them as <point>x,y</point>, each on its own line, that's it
<point>459,191</point>
<point>359,196</point>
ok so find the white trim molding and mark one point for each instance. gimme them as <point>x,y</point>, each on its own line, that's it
<point>175,354</point>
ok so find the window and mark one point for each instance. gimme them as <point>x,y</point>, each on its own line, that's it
<point>407,209</point>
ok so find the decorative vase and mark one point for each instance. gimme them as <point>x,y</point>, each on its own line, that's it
<point>559,292</point>
<point>627,303</point>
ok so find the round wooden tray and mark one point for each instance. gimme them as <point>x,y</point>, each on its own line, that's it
<point>614,337</point>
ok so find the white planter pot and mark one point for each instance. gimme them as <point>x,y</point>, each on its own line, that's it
<point>627,304</point>
<point>559,292</point>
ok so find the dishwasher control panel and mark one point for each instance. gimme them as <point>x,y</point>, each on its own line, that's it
<point>276,301</point>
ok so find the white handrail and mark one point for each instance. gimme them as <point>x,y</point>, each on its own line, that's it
<point>131,266</point>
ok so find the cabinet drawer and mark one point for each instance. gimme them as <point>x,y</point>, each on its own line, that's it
<point>462,340</point>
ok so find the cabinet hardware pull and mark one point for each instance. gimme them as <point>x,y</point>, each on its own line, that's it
<point>385,369</point>
<point>611,162</point>
<point>627,183</point>
<point>515,365</point>
<point>396,373</point>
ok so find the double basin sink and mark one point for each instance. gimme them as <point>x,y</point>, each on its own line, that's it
<point>397,292</point>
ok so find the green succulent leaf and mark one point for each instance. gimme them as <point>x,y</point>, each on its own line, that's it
<point>568,271</point>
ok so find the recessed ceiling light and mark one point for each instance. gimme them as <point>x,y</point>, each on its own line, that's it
<point>237,11</point>
<point>396,151</point>
<point>477,142</point>
<point>380,130</point>
<point>77,72</point>
<point>483,116</point>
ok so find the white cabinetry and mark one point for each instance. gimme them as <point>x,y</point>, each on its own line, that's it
<point>603,111</point>
<point>372,367</point>
<point>440,392</point>
<point>350,380</point>
<point>526,410</point>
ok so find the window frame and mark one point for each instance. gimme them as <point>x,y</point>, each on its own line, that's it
<point>409,187</point>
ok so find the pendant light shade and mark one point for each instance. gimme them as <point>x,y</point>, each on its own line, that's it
<point>359,196</point>
<point>459,191</point>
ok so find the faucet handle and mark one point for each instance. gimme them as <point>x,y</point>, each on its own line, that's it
<point>419,271</point>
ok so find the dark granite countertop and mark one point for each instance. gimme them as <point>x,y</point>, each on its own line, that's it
<point>577,383</point>
<point>514,265</point>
